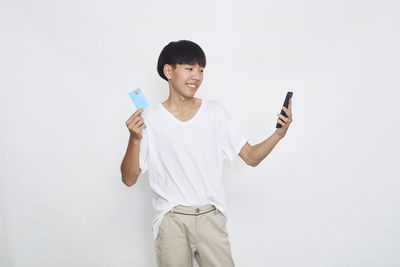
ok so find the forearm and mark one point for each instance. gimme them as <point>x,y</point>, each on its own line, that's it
<point>130,169</point>
<point>261,150</point>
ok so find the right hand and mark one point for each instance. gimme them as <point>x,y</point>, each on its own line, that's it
<point>136,124</point>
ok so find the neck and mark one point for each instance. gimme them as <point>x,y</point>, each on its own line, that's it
<point>181,103</point>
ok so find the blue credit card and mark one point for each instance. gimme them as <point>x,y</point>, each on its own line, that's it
<point>138,98</point>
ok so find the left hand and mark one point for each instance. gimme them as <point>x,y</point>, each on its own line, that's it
<point>285,122</point>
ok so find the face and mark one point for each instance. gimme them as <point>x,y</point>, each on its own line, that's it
<point>185,79</point>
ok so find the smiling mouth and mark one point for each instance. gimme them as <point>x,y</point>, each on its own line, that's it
<point>192,86</point>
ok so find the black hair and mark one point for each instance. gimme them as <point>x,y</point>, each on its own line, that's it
<point>180,52</point>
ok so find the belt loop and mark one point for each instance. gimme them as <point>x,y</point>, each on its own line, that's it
<point>216,210</point>
<point>172,211</point>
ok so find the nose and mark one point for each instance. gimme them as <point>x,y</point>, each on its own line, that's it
<point>196,75</point>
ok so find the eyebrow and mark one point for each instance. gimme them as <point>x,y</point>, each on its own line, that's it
<point>194,65</point>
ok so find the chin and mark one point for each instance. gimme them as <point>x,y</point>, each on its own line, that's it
<point>189,94</point>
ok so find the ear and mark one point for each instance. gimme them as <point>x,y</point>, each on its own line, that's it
<point>167,71</point>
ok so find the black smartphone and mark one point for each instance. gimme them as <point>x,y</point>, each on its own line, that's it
<point>286,103</point>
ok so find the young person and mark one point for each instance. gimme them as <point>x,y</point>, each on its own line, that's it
<point>182,142</point>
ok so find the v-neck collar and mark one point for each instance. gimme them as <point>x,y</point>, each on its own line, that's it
<point>188,122</point>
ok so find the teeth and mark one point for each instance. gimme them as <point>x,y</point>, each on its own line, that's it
<point>191,85</point>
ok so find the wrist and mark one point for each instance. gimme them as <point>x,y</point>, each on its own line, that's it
<point>134,139</point>
<point>277,135</point>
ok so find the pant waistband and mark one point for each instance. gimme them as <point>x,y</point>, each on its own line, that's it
<point>193,210</point>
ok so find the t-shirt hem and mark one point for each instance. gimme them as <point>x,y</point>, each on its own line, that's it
<point>155,233</point>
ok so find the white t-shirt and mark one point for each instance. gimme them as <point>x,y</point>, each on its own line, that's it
<point>185,159</point>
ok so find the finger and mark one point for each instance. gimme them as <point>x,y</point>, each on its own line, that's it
<point>134,121</point>
<point>287,111</point>
<point>138,112</point>
<point>134,115</point>
<point>138,121</point>
<point>138,126</point>
<point>283,117</point>
<point>286,120</point>
<point>131,120</point>
<point>290,106</point>
<point>281,122</point>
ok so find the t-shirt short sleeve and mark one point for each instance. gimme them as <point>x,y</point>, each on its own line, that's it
<point>232,138</point>
<point>144,152</point>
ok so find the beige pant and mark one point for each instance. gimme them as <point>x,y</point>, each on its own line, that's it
<point>193,231</point>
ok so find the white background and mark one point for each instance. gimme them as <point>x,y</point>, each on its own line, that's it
<point>327,195</point>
